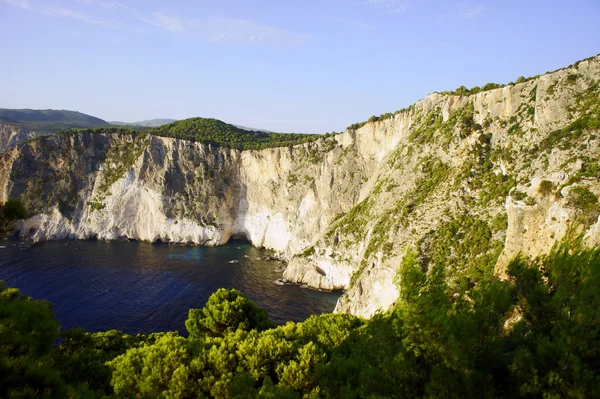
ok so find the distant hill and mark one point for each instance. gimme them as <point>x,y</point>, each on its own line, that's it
<point>48,120</point>
<point>148,123</point>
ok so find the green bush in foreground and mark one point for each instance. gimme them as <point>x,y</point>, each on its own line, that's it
<point>534,336</point>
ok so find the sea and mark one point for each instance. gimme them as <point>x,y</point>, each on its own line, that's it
<point>140,287</point>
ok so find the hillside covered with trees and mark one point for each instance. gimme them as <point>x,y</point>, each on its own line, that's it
<point>536,335</point>
<point>210,131</point>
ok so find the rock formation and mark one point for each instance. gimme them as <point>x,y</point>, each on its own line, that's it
<point>472,178</point>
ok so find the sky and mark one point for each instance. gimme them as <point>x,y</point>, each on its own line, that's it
<point>311,66</point>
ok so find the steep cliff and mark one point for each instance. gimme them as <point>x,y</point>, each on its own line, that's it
<point>472,178</point>
<point>11,135</point>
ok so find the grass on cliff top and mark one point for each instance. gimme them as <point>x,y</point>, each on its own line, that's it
<point>215,132</point>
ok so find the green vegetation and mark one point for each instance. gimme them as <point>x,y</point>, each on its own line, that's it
<point>572,78</point>
<point>464,244</point>
<point>211,131</point>
<point>214,131</point>
<point>96,206</point>
<point>434,173</point>
<point>373,118</point>
<point>226,312</point>
<point>353,222</point>
<point>478,172</point>
<point>587,110</point>
<point>463,91</point>
<point>121,157</point>
<point>433,127</point>
<point>11,211</point>
<point>534,336</point>
<point>518,195</point>
<point>48,120</point>
<point>546,187</point>
<point>582,199</point>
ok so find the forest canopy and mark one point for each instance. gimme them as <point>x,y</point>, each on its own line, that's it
<point>210,131</point>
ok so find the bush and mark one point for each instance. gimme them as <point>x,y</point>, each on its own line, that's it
<point>518,195</point>
<point>586,202</point>
<point>546,187</point>
<point>226,311</point>
<point>13,209</point>
<point>582,198</point>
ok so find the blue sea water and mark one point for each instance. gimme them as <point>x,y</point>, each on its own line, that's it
<point>140,287</point>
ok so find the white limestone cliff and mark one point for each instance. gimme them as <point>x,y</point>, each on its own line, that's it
<point>343,210</point>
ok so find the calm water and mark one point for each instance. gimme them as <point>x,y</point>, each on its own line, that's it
<point>140,287</point>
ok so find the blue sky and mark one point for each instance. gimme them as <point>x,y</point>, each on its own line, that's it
<point>294,66</point>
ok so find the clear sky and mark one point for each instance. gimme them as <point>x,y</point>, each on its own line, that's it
<point>294,66</point>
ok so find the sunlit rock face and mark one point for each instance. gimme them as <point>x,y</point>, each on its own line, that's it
<point>500,165</point>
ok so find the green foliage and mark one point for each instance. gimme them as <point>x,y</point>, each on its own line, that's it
<point>13,209</point>
<point>216,132</point>
<point>518,195</point>
<point>308,251</point>
<point>463,91</point>
<point>572,78</point>
<point>546,187</point>
<point>96,206</point>
<point>534,336</point>
<point>27,330</point>
<point>557,342</point>
<point>430,125</point>
<point>586,202</point>
<point>478,172</point>
<point>208,131</point>
<point>161,369</point>
<point>464,245</point>
<point>226,311</point>
<point>81,357</point>
<point>353,221</point>
<point>119,159</point>
<point>587,109</point>
<point>500,223</point>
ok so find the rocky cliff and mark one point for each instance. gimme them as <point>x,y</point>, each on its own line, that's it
<point>11,135</point>
<point>471,178</point>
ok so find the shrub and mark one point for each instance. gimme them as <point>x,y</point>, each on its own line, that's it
<point>13,209</point>
<point>518,195</point>
<point>586,202</point>
<point>226,311</point>
<point>582,198</point>
<point>546,187</point>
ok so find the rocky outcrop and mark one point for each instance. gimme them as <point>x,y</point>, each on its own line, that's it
<point>471,180</point>
<point>11,135</point>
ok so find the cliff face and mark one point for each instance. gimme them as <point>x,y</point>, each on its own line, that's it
<point>11,135</point>
<point>474,179</point>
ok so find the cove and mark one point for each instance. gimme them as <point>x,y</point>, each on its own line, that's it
<point>139,287</point>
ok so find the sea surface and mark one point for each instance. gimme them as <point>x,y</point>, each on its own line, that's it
<point>140,287</point>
